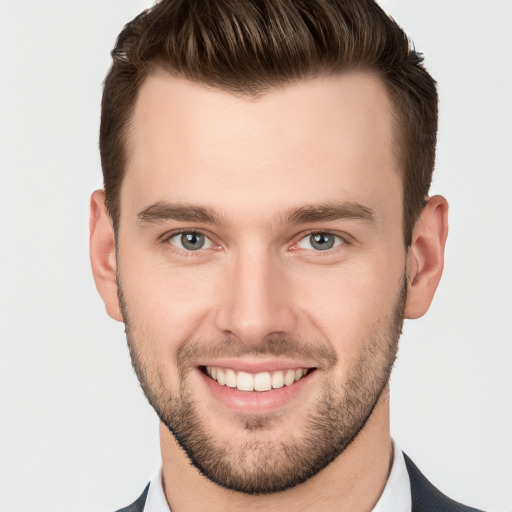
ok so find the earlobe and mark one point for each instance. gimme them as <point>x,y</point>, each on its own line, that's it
<point>102,249</point>
<point>425,260</point>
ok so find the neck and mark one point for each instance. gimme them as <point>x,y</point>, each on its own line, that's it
<point>353,482</point>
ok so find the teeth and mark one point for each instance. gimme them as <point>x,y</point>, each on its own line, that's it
<point>264,381</point>
<point>289,378</point>
<point>230,378</point>
<point>277,380</point>
<point>244,381</point>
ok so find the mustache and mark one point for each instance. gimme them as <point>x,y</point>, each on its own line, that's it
<point>277,346</point>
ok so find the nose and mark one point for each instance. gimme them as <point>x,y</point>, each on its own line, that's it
<point>255,301</point>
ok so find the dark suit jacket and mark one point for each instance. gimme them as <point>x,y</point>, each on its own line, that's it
<point>425,497</point>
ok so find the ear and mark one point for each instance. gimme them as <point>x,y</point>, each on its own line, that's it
<point>102,249</point>
<point>425,259</point>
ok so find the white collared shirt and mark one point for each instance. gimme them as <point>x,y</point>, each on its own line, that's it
<point>396,496</point>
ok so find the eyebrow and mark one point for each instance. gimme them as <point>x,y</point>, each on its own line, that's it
<point>162,211</point>
<point>331,211</point>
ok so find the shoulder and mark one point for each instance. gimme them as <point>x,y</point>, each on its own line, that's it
<point>426,498</point>
<point>138,504</point>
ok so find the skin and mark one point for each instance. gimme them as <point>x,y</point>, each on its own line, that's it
<point>253,161</point>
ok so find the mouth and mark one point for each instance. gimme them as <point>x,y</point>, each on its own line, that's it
<point>247,386</point>
<point>259,382</point>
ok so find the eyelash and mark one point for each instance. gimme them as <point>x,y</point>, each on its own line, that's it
<point>341,240</point>
<point>166,242</point>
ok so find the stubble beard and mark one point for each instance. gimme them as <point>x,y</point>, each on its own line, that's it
<point>257,466</point>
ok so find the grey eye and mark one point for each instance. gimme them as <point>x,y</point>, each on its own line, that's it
<point>190,241</point>
<point>321,241</point>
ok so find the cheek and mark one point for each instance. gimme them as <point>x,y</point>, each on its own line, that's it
<point>164,308</point>
<point>169,303</point>
<point>348,305</point>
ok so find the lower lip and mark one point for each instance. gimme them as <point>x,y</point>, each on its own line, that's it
<point>256,401</point>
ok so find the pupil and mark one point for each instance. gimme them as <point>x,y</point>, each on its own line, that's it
<point>322,241</point>
<point>192,241</point>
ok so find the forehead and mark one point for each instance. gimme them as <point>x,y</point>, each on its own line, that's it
<point>328,138</point>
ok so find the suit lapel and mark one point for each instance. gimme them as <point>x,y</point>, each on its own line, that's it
<point>426,498</point>
<point>138,505</point>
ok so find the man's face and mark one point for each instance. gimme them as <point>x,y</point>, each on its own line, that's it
<point>260,245</point>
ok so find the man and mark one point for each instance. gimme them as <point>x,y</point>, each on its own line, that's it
<point>264,230</point>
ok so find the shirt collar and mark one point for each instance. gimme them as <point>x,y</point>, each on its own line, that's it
<point>396,496</point>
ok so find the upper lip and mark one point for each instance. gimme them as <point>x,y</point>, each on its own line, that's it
<point>257,365</point>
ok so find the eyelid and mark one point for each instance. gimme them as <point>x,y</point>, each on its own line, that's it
<point>344,239</point>
<point>166,240</point>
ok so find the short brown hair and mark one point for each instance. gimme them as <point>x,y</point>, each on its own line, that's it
<point>249,46</point>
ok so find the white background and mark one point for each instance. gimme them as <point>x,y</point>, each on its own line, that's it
<point>75,431</point>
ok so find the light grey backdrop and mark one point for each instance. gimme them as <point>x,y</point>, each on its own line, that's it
<point>75,433</point>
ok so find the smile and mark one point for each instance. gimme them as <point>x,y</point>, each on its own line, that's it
<point>263,381</point>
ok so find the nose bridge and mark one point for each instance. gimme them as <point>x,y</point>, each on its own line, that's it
<point>254,302</point>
